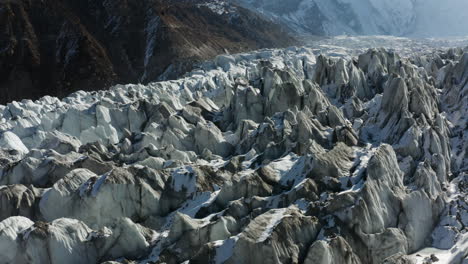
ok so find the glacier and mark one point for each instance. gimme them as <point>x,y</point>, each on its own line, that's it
<point>346,150</point>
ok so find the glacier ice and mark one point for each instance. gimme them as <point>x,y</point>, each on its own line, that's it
<point>315,154</point>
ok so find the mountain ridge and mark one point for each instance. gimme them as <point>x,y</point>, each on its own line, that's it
<point>55,47</point>
<point>411,18</point>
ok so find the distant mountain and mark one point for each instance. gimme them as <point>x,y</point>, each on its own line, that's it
<point>367,17</point>
<point>55,47</point>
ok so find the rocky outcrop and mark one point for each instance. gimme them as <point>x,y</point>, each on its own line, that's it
<point>274,156</point>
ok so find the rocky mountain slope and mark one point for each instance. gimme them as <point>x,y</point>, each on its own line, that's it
<point>275,156</point>
<point>55,47</point>
<point>427,18</point>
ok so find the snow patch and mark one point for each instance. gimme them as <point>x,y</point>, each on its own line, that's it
<point>276,215</point>
<point>225,249</point>
<point>184,178</point>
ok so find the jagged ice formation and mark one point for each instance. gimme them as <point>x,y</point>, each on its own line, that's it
<point>275,156</point>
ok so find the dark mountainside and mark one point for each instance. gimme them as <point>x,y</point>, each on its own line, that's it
<point>55,47</point>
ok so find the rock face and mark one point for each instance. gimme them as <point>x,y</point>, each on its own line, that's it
<point>276,156</point>
<point>55,47</point>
